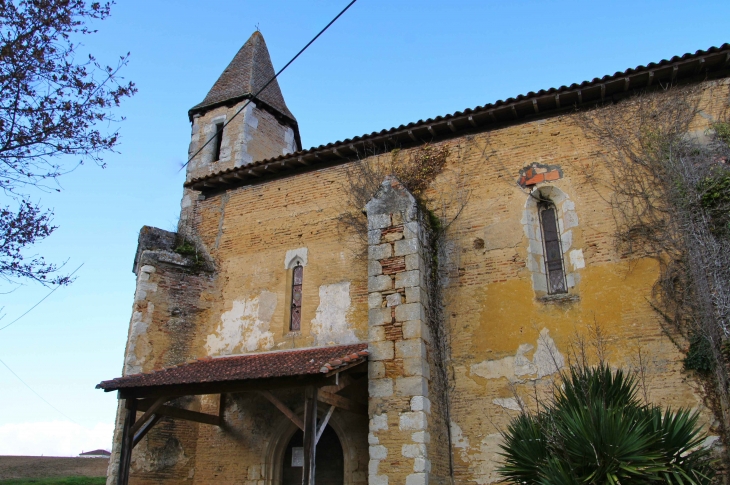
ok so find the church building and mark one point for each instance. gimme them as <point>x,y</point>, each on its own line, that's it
<point>316,319</point>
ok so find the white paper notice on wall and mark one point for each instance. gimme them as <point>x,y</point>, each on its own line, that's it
<point>297,456</point>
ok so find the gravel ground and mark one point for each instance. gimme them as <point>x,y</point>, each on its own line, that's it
<point>50,466</point>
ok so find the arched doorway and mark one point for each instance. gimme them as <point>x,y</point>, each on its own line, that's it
<point>329,464</point>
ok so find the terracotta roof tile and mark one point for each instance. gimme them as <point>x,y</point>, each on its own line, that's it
<point>281,363</point>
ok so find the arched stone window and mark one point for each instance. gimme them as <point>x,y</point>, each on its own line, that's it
<point>295,323</point>
<point>552,251</point>
<point>548,221</point>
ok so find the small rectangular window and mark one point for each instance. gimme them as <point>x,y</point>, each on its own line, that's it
<point>553,249</point>
<point>217,142</point>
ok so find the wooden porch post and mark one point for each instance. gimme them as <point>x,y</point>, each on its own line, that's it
<point>125,454</point>
<point>310,434</point>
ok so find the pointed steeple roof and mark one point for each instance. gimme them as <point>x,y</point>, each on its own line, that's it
<point>247,73</point>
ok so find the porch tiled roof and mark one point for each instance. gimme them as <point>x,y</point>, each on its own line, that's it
<point>281,363</point>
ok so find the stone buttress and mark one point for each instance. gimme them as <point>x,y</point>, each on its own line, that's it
<point>401,448</point>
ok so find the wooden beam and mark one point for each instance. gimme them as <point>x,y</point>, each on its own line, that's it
<point>221,408</point>
<point>344,380</point>
<point>431,130</point>
<point>472,122</point>
<point>342,402</point>
<point>148,426</point>
<point>310,430</point>
<point>451,126</point>
<point>627,83</point>
<point>285,410</point>
<point>580,96</point>
<point>413,137</point>
<point>251,172</point>
<point>700,65</point>
<point>557,100</point>
<point>514,111</point>
<point>323,424</point>
<point>302,161</point>
<point>603,92</point>
<point>185,414</point>
<point>344,368</point>
<point>535,106</point>
<point>125,458</point>
<point>675,70</point>
<point>150,411</point>
<point>651,78</point>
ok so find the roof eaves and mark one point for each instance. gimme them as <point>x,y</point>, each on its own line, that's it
<point>480,118</point>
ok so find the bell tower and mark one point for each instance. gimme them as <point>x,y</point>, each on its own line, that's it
<point>264,129</point>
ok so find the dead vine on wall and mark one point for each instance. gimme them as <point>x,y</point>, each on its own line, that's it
<point>669,180</point>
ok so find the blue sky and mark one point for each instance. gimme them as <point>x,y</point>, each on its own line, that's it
<point>384,63</point>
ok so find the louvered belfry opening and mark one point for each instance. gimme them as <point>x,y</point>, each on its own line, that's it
<point>552,247</point>
<point>296,298</point>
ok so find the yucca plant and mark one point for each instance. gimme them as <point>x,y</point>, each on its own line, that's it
<point>597,431</point>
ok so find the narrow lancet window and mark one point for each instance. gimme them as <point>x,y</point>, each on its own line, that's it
<point>217,142</point>
<point>296,298</point>
<point>553,250</point>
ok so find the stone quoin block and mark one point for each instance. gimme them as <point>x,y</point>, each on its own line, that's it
<point>374,236</point>
<point>413,421</point>
<point>409,311</point>
<point>378,221</point>
<point>375,300</point>
<point>374,268</point>
<point>378,452</point>
<point>381,251</point>
<point>381,350</point>
<point>405,247</point>
<point>408,278</point>
<point>379,316</point>
<point>393,300</point>
<point>376,370</point>
<point>416,366</point>
<point>411,386</point>
<point>380,387</point>
<point>421,464</point>
<point>376,334</point>
<point>417,479</point>
<point>410,348</point>
<point>380,283</point>
<point>413,450</point>
<point>421,403</point>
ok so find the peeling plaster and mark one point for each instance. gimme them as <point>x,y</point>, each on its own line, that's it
<point>330,325</point>
<point>508,403</point>
<point>546,360</point>
<point>483,460</point>
<point>245,327</point>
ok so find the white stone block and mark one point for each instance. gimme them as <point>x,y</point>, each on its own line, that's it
<point>411,386</point>
<point>380,251</point>
<point>422,465</point>
<point>376,370</point>
<point>566,239</point>
<point>380,283</point>
<point>380,387</point>
<point>373,467</point>
<point>148,269</point>
<point>381,350</point>
<point>378,452</point>
<point>413,329</point>
<point>410,311</point>
<point>373,440</point>
<point>375,300</point>
<point>415,421</point>
<point>570,218</point>
<point>378,480</point>
<point>394,299</point>
<point>421,437</point>
<point>374,268</point>
<point>376,334</point>
<point>576,259</point>
<point>374,237</point>
<point>414,261</point>
<point>421,403</point>
<point>415,294</point>
<point>406,246</point>
<point>407,278</point>
<point>414,450</point>
<point>417,479</point>
<point>378,221</point>
<point>378,422</point>
<point>410,348</point>
<point>379,316</point>
<point>415,366</point>
<point>411,230</point>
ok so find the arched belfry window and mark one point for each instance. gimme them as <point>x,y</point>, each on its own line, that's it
<point>296,298</point>
<point>553,252</point>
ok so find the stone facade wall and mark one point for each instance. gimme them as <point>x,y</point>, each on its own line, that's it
<point>506,335</point>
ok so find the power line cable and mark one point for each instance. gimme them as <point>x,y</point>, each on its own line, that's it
<point>33,391</point>
<point>272,79</point>
<point>41,300</point>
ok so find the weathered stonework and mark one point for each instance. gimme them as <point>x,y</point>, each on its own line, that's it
<point>507,337</point>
